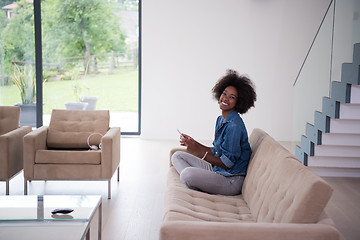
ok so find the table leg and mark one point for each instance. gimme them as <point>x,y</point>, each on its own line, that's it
<point>88,234</point>
<point>100,221</point>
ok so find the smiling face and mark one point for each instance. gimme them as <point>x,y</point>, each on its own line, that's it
<point>228,99</point>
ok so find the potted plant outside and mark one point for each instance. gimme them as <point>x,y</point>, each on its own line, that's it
<point>77,105</point>
<point>81,102</point>
<point>25,80</point>
<point>90,100</point>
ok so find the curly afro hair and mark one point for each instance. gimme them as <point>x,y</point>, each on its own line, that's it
<point>244,87</point>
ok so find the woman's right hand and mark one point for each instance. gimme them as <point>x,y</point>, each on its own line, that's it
<point>183,138</point>
<point>191,145</point>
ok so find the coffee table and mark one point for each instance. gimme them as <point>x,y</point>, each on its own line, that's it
<point>30,217</point>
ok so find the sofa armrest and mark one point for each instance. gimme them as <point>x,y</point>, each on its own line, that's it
<point>110,152</point>
<point>33,141</point>
<point>11,147</point>
<point>271,231</point>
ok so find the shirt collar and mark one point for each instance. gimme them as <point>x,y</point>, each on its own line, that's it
<point>230,117</point>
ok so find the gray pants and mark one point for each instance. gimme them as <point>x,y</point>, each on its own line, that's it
<point>197,174</point>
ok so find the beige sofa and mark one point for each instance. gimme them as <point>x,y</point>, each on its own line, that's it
<point>281,199</point>
<point>61,151</point>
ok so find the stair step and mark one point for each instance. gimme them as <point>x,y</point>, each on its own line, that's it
<point>321,121</point>
<point>344,126</point>
<point>350,73</point>
<point>330,107</point>
<point>301,155</point>
<point>341,139</point>
<point>336,151</point>
<point>340,91</point>
<point>336,172</point>
<point>355,94</point>
<point>356,53</point>
<point>307,146</point>
<point>337,162</point>
<point>349,111</point>
<point>313,134</point>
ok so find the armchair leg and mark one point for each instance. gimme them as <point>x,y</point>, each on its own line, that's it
<point>7,186</point>
<point>25,187</point>
<point>109,188</point>
<point>118,174</point>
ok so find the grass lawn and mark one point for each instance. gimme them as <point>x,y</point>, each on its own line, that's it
<point>116,92</point>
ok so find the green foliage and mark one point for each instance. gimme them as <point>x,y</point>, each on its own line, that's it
<point>17,37</point>
<point>5,2</point>
<point>69,28</point>
<point>130,4</point>
<point>25,81</point>
<point>73,76</point>
<point>117,92</point>
<point>80,28</point>
<point>49,73</point>
<point>3,21</point>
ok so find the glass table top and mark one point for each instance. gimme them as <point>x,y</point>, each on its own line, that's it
<point>33,208</point>
<point>43,230</point>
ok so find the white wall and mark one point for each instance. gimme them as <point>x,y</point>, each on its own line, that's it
<point>188,45</point>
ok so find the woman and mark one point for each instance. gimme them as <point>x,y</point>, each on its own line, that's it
<point>220,169</point>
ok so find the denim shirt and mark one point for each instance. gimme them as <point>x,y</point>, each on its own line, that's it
<point>231,145</point>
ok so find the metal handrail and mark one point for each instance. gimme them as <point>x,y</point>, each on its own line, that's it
<point>310,48</point>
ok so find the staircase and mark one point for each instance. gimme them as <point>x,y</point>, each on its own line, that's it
<point>331,146</point>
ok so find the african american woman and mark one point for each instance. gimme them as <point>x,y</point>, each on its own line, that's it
<point>220,169</point>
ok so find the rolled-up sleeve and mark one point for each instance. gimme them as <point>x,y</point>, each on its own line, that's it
<point>231,146</point>
<point>212,149</point>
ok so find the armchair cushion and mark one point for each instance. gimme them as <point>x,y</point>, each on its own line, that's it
<point>9,118</point>
<point>70,129</point>
<point>68,157</point>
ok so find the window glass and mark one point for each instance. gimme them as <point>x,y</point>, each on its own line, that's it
<point>89,56</point>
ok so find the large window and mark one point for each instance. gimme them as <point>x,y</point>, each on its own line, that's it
<point>90,56</point>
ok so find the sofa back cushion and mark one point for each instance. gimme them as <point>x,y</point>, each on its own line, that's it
<point>70,129</point>
<point>255,139</point>
<point>278,188</point>
<point>9,118</point>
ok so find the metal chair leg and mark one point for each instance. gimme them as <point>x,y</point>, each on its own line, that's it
<point>109,188</point>
<point>7,186</point>
<point>25,187</point>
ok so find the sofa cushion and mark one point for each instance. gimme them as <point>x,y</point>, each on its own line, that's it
<point>67,157</point>
<point>279,188</point>
<point>71,128</point>
<point>9,118</point>
<point>182,203</point>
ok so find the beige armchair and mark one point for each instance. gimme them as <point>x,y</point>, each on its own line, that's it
<point>11,143</point>
<point>61,151</point>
